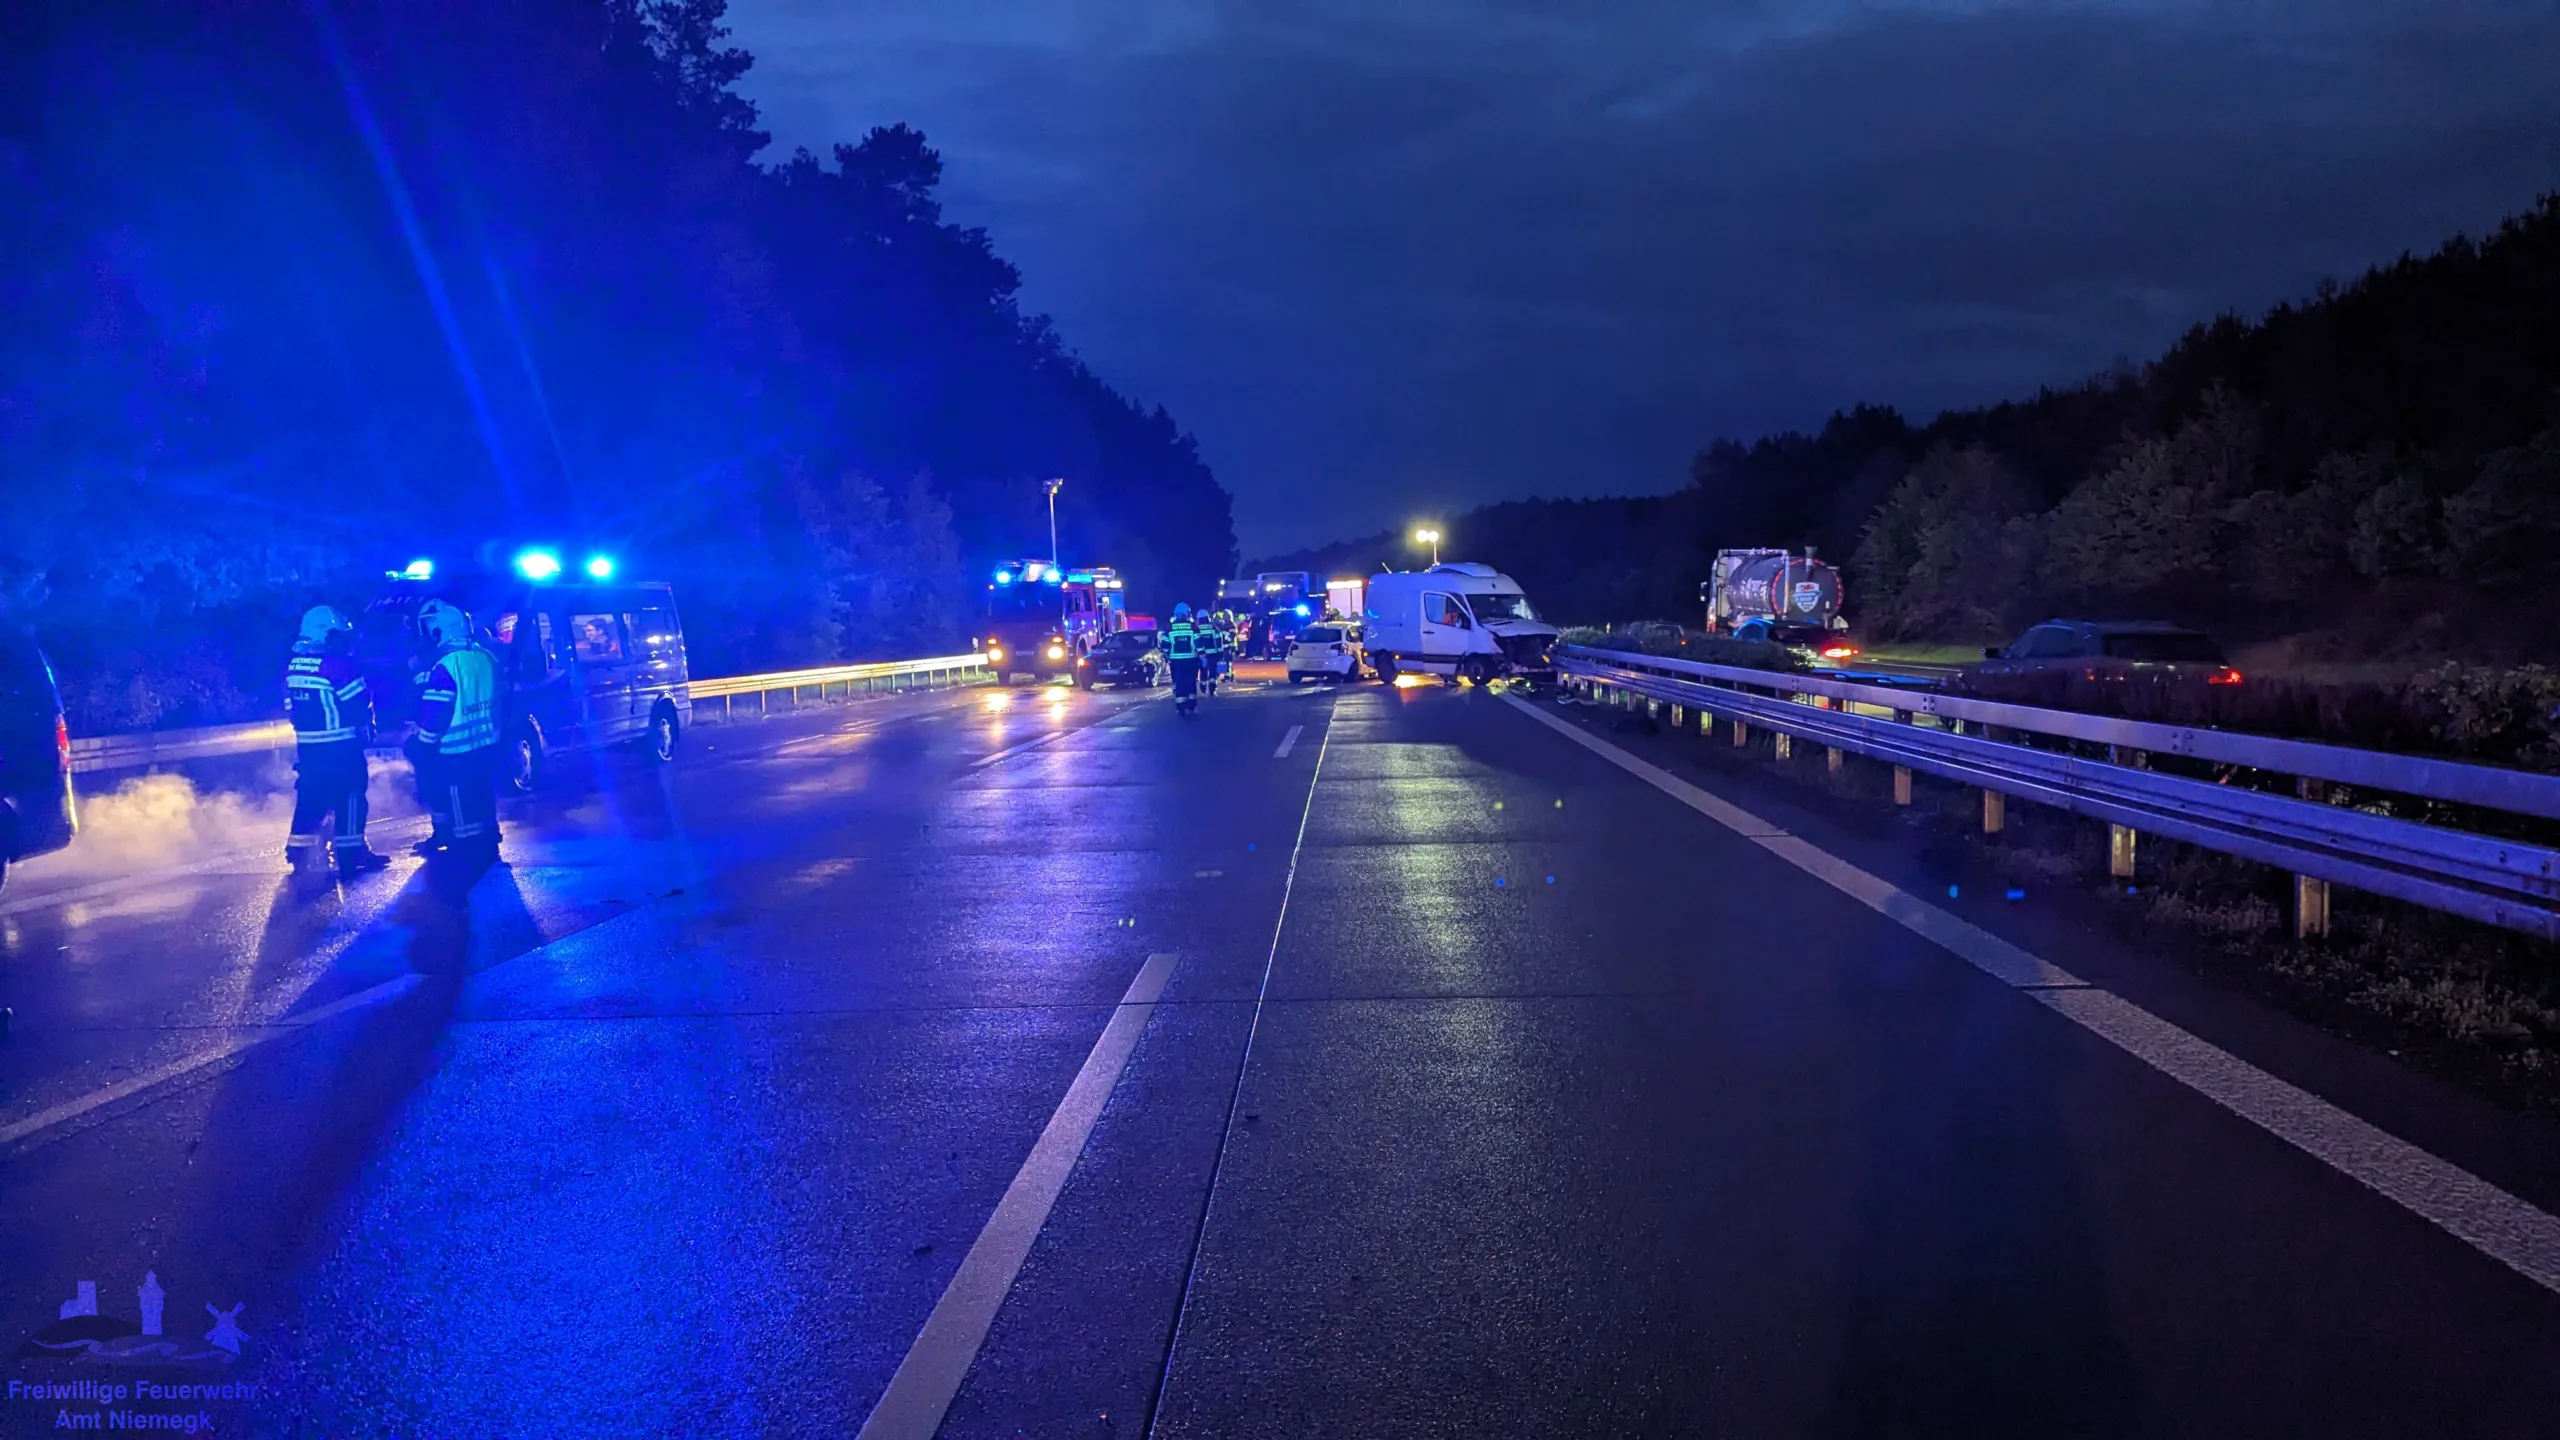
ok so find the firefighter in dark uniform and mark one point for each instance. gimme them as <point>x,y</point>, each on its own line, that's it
<point>1213,652</point>
<point>332,712</point>
<point>457,741</point>
<point>1182,649</point>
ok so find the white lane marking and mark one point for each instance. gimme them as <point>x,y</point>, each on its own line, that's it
<point>273,1030</point>
<point>1011,751</point>
<point>2508,1230</point>
<point>1288,743</point>
<point>921,1391</point>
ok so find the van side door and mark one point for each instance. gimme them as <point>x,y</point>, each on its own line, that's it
<point>1444,625</point>
<point>602,678</point>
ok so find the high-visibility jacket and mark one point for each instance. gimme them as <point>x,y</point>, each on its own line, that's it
<point>326,696</point>
<point>1181,641</point>
<point>1213,640</point>
<point>458,711</point>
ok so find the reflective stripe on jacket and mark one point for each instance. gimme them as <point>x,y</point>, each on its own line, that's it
<point>1181,642</point>
<point>325,695</point>
<point>458,711</point>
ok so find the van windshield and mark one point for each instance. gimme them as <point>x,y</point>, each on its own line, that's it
<point>1500,607</point>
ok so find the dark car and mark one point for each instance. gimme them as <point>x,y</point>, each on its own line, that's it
<point>35,756</point>
<point>1130,657</point>
<point>2119,651</point>
<point>1812,642</point>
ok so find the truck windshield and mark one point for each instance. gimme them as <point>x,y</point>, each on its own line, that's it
<point>1025,603</point>
<point>1500,607</point>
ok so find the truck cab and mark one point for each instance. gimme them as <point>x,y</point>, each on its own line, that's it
<point>1465,620</point>
<point>1036,623</point>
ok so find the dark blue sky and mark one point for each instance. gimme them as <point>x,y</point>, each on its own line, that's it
<point>1392,257</point>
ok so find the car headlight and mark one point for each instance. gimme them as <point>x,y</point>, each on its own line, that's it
<point>1057,652</point>
<point>994,653</point>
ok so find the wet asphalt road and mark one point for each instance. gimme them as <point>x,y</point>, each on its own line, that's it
<point>1490,1092</point>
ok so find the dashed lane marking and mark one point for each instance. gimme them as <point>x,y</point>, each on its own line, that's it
<point>1288,743</point>
<point>920,1393</point>
<point>2499,1225</point>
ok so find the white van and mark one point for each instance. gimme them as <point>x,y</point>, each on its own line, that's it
<point>1462,619</point>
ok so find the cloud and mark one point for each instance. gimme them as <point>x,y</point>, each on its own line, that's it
<point>1393,256</point>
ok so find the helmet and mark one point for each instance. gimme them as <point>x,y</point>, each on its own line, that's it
<point>1181,611</point>
<point>322,621</point>
<point>449,626</point>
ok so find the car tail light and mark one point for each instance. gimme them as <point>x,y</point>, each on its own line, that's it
<point>1838,652</point>
<point>2224,676</point>
<point>62,741</point>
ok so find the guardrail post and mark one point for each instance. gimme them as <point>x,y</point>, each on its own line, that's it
<point>1741,732</point>
<point>2310,895</point>
<point>2121,839</point>
<point>1679,719</point>
<point>1995,806</point>
<point>1902,773</point>
<point>1786,745</point>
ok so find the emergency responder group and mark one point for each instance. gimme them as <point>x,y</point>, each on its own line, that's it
<point>1201,649</point>
<point>453,747</point>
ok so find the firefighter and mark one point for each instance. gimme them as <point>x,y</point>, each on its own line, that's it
<point>1213,652</point>
<point>1182,648</point>
<point>457,740</point>
<point>332,714</point>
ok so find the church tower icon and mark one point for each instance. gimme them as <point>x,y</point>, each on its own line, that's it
<point>152,1297</point>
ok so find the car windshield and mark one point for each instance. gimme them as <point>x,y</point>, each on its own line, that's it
<point>1319,635</point>
<point>2166,647</point>
<point>1127,642</point>
<point>1489,606</point>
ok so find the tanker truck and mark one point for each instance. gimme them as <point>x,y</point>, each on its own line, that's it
<point>1779,595</point>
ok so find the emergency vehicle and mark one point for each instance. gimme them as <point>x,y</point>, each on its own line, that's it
<point>588,659</point>
<point>1042,619</point>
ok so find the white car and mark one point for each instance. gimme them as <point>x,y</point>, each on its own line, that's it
<point>1324,652</point>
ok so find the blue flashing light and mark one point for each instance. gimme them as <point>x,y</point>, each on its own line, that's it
<point>419,570</point>
<point>1004,577</point>
<point>1303,610</point>
<point>600,567</point>
<point>2017,894</point>
<point>1053,577</point>
<point>538,565</point>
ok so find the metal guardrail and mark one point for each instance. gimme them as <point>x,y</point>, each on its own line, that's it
<point>93,754</point>
<point>2499,881</point>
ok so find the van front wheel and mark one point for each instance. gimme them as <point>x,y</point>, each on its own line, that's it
<point>660,743</point>
<point>525,758</point>
<point>1385,665</point>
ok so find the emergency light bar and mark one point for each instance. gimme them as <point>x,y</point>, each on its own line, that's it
<point>537,565</point>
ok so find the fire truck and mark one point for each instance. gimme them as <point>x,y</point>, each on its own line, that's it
<point>1042,619</point>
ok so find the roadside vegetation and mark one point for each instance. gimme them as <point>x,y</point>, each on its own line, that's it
<point>2367,478</point>
<point>294,294</point>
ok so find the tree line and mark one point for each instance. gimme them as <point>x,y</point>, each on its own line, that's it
<point>2374,471</point>
<point>293,292</point>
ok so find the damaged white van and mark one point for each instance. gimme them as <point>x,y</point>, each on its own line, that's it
<point>1464,619</point>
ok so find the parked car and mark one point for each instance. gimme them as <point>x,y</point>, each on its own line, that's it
<point>1814,643</point>
<point>35,756</point>
<point>1324,652</point>
<point>2120,651</point>
<point>1129,657</point>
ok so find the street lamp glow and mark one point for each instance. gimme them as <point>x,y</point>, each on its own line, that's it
<point>1430,536</point>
